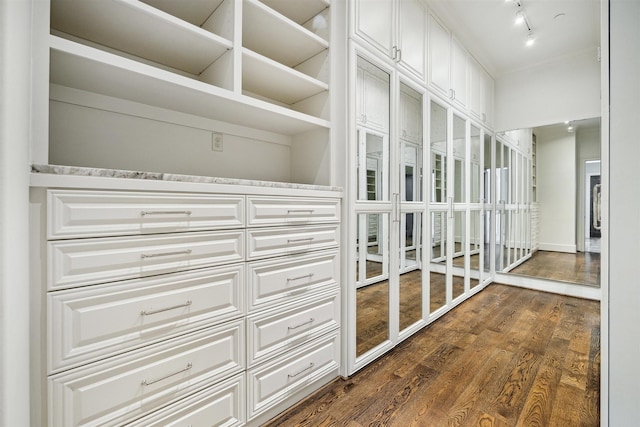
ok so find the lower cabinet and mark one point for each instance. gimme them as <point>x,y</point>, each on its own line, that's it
<point>225,320</point>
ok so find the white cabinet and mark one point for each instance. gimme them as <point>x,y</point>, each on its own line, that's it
<point>410,116</point>
<point>459,74</point>
<point>146,315</point>
<point>396,28</point>
<point>481,94</point>
<point>439,56</point>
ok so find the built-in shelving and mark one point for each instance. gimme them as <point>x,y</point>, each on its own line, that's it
<point>139,29</point>
<point>89,69</point>
<point>273,80</point>
<point>198,12</point>
<point>277,37</point>
<point>300,11</point>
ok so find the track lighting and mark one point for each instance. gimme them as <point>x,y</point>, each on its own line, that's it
<point>522,19</point>
<point>531,39</point>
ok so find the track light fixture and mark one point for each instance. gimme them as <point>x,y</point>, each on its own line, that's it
<point>523,19</point>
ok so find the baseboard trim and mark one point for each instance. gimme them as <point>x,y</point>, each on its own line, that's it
<point>562,288</point>
<point>557,248</point>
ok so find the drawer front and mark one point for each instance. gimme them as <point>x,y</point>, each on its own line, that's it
<point>76,213</point>
<point>268,242</point>
<point>101,260</point>
<point>285,211</point>
<point>220,405</point>
<point>139,312</point>
<point>273,382</point>
<point>272,332</point>
<point>126,387</point>
<point>275,281</point>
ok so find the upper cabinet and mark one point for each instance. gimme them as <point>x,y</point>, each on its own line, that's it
<point>481,96</point>
<point>172,76</point>
<point>448,64</point>
<point>396,28</point>
<point>372,99</point>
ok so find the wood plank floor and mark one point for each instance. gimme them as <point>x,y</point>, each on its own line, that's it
<point>506,357</point>
<point>581,267</point>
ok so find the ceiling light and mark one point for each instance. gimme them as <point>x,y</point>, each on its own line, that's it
<point>531,39</point>
<point>519,18</point>
<point>570,129</point>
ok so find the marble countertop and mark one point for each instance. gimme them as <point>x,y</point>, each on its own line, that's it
<point>126,174</point>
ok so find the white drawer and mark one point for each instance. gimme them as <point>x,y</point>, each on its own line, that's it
<point>274,331</point>
<point>76,213</point>
<point>268,242</point>
<point>220,405</point>
<point>290,210</point>
<point>101,260</point>
<point>89,323</point>
<point>126,387</point>
<point>275,281</point>
<point>273,382</point>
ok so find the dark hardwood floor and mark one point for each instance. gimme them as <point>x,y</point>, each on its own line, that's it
<point>506,357</point>
<point>581,267</point>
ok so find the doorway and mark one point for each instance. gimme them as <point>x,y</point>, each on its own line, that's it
<point>593,212</point>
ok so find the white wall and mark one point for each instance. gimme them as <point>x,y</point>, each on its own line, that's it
<point>624,216</point>
<point>565,89</point>
<point>587,148</point>
<point>15,79</point>
<point>556,190</point>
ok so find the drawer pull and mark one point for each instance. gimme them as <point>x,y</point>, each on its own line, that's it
<point>308,322</point>
<point>311,365</point>
<point>187,252</point>
<point>306,276</point>
<point>160,310</point>
<point>144,213</point>
<point>146,382</point>
<point>290,211</point>
<point>306,239</point>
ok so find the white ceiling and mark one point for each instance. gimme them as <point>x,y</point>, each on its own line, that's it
<point>487,29</point>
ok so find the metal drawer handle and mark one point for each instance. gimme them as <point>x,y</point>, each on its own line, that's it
<point>307,239</point>
<point>143,213</point>
<point>306,276</point>
<point>308,322</point>
<point>146,382</point>
<point>311,365</point>
<point>187,252</point>
<point>300,210</point>
<point>160,310</point>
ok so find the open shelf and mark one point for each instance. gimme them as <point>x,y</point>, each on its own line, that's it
<point>195,12</point>
<point>299,11</point>
<point>273,80</point>
<point>82,67</point>
<point>277,37</point>
<point>139,29</point>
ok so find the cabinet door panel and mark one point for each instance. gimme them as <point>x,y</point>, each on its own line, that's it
<point>412,33</point>
<point>458,73</point>
<point>439,56</point>
<point>373,22</point>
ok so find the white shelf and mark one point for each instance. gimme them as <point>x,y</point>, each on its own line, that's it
<point>195,12</point>
<point>82,67</point>
<point>299,11</point>
<point>139,29</point>
<point>277,37</point>
<point>271,79</point>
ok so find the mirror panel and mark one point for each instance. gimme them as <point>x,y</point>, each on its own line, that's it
<point>476,172</point>
<point>475,247</point>
<point>459,158</point>
<point>372,281</point>
<point>438,270</point>
<point>460,258</point>
<point>411,137</point>
<point>411,225</point>
<point>438,142</point>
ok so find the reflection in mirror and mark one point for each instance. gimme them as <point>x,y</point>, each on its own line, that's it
<point>373,177</point>
<point>372,281</point>
<point>476,173</point>
<point>438,138</point>
<point>561,228</point>
<point>411,185</point>
<point>437,276</point>
<point>410,269</point>
<point>460,257</point>
<point>459,156</point>
<point>475,245</point>
<point>486,264</point>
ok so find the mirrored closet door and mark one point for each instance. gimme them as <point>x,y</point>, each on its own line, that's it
<point>389,210</point>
